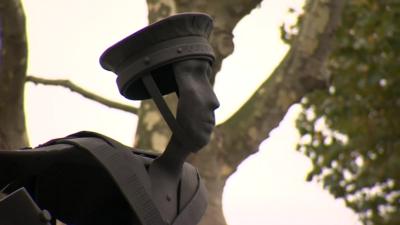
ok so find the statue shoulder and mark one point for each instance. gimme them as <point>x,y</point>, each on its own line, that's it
<point>114,143</point>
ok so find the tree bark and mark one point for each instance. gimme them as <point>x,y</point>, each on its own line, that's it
<point>300,72</point>
<point>13,63</point>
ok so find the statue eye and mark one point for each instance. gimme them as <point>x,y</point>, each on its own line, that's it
<point>209,72</point>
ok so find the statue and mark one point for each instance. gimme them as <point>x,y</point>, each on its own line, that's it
<point>89,179</point>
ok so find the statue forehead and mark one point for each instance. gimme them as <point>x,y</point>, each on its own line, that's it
<point>193,74</point>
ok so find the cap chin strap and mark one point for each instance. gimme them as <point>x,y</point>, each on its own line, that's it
<point>176,129</point>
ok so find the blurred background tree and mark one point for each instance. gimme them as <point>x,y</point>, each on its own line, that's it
<point>351,131</point>
<point>348,126</point>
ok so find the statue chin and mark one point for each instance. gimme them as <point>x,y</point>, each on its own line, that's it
<point>200,141</point>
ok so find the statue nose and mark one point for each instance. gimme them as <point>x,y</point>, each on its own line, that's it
<point>213,101</point>
<point>216,103</point>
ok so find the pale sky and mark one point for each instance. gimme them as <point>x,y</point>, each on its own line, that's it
<point>66,38</point>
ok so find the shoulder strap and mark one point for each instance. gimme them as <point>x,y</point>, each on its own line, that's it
<point>124,173</point>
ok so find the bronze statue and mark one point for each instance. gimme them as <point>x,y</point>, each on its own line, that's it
<point>89,179</point>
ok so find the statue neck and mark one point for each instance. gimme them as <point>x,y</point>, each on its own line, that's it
<point>165,174</point>
<point>173,158</point>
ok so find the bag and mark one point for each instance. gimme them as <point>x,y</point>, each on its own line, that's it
<point>18,208</point>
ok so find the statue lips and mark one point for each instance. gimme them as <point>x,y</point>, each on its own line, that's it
<point>210,122</point>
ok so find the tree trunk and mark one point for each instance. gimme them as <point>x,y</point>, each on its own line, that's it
<point>300,72</point>
<point>13,63</point>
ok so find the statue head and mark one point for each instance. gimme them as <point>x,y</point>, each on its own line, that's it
<point>171,55</point>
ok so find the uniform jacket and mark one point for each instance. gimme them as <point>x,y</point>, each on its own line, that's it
<point>67,181</point>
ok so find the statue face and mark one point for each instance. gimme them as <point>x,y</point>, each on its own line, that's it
<point>197,100</point>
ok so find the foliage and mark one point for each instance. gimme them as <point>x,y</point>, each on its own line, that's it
<point>351,132</point>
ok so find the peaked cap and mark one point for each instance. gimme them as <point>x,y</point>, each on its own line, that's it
<point>175,38</point>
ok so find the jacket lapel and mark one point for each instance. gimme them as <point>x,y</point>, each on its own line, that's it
<point>193,198</point>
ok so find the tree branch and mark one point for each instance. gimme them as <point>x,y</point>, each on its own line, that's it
<point>300,72</point>
<point>75,88</point>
